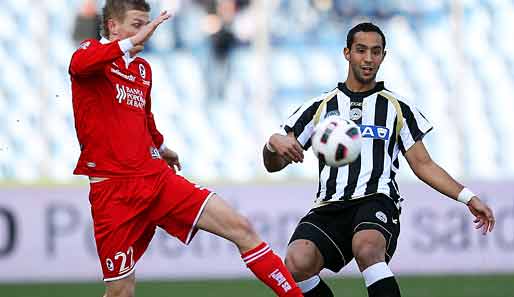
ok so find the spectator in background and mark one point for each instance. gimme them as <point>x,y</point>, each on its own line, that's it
<point>223,40</point>
<point>87,22</point>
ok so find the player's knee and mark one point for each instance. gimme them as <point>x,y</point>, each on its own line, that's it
<point>302,262</point>
<point>367,253</point>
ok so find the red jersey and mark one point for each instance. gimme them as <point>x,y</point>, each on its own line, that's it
<point>111,105</point>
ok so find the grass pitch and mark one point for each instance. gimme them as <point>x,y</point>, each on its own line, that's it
<point>426,286</point>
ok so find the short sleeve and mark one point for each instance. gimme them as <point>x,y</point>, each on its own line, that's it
<point>415,126</point>
<point>301,122</point>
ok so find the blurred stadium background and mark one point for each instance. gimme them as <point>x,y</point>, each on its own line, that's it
<point>225,74</point>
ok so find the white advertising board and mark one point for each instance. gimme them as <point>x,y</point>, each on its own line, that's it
<point>46,234</point>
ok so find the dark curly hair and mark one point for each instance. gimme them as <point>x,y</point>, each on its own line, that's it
<point>364,27</point>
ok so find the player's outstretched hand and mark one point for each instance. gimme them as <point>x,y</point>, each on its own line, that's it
<point>484,217</point>
<point>171,158</point>
<point>287,147</point>
<point>146,32</point>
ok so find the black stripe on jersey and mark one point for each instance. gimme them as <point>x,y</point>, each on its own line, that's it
<point>354,168</point>
<point>321,165</point>
<point>381,106</point>
<point>416,133</point>
<point>302,121</point>
<point>390,151</point>
<point>332,177</point>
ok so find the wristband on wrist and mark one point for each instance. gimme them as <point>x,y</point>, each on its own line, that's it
<point>270,148</point>
<point>162,148</point>
<point>125,45</point>
<point>465,196</point>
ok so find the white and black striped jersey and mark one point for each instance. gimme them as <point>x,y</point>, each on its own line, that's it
<point>377,112</point>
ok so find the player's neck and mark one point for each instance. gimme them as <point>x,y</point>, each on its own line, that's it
<point>357,87</point>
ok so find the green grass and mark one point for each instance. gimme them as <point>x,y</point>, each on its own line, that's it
<point>440,286</point>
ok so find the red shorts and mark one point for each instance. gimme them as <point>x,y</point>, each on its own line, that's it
<point>126,212</point>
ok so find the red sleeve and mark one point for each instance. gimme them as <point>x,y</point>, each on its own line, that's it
<point>157,137</point>
<point>92,56</point>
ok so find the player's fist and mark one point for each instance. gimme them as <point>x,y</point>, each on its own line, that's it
<point>287,147</point>
<point>171,158</point>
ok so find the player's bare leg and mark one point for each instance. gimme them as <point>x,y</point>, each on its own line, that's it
<point>369,249</point>
<point>304,261</point>
<point>221,219</point>
<point>124,287</point>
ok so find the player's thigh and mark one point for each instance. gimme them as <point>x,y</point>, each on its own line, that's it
<point>179,206</point>
<point>376,228</point>
<point>122,232</point>
<point>330,236</point>
<point>221,219</point>
<point>121,288</point>
<point>303,259</point>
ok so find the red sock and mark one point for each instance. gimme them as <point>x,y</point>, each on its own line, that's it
<point>271,271</point>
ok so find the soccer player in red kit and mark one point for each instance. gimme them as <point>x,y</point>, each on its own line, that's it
<point>133,185</point>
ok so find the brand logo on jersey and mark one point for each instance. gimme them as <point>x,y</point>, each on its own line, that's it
<point>132,96</point>
<point>142,70</point>
<point>332,113</point>
<point>125,76</point>
<point>84,45</point>
<point>381,216</point>
<point>154,153</point>
<point>376,132</point>
<point>281,280</point>
<point>355,114</point>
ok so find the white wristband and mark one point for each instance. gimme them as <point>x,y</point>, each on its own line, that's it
<point>125,45</point>
<point>270,148</point>
<point>162,148</point>
<point>465,195</point>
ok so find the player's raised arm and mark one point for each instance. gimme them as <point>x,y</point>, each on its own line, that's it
<point>146,32</point>
<point>432,174</point>
<point>92,56</point>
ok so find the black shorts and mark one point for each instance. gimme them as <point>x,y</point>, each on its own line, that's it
<point>332,227</point>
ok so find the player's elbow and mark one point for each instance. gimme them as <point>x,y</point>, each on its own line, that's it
<point>423,169</point>
<point>76,68</point>
<point>270,168</point>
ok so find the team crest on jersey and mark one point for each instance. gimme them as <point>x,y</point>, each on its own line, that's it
<point>142,71</point>
<point>109,264</point>
<point>381,216</point>
<point>355,114</point>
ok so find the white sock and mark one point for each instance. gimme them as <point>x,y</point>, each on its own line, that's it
<point>376,272</point>
<point>309,283</point>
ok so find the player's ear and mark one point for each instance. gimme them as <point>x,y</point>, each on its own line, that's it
<point>384,55</point>
<point>346,52</point>
<point>113,28</point>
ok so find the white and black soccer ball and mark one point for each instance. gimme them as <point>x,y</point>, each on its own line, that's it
<point>336,141</point>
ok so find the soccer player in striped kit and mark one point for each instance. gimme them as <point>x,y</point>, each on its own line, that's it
<point>134,187</point>
<point>357,207</point>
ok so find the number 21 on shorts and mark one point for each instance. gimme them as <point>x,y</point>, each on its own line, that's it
<point>123,259</point>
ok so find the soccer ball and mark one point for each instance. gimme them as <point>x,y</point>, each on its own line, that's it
<point>336,141</point>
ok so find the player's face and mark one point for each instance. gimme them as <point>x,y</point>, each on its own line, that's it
<point>133,22</point>
<point>365,56</point>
